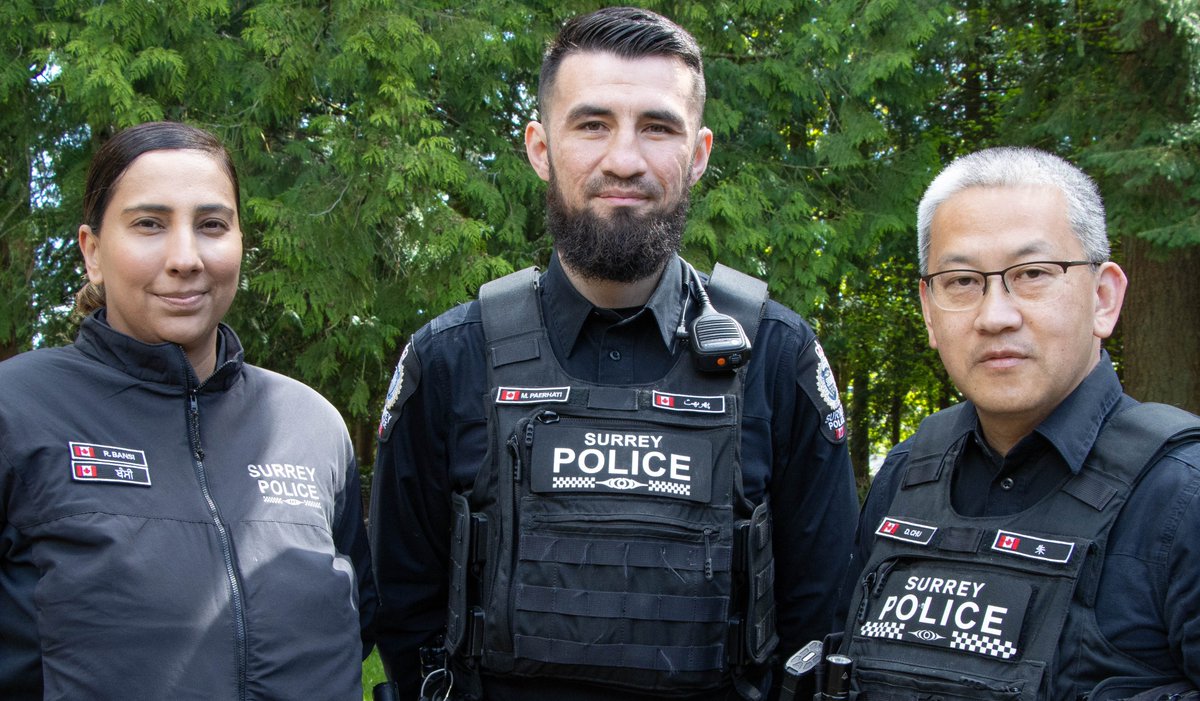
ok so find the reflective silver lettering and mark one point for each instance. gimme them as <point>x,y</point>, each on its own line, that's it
<point>680,466</point>
<point>583,459</point>
<point>652,470</point>
<point>612,463</point>
<point>888,604</point>
<point>958,615</point>
<point>563,456</point>
<point>924,617</point>
<point>992,617</point>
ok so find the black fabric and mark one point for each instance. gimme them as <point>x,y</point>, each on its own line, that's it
<point>1067,532</point>
<point>434,437</point>
<point>666,487</point>
<point>738,295</point>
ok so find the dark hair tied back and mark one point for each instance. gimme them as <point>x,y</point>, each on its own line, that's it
<point>115,157</point>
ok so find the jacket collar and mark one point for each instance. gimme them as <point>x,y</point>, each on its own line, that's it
<point>162,363</point>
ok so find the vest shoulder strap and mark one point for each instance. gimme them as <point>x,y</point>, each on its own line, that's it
<point>512,318</point>
<point>738,295</point>
<point>1128,444</point>
<point>509,305</point>
<point>929,446</point>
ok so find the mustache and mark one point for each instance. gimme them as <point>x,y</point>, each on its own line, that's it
<point>642,186</point>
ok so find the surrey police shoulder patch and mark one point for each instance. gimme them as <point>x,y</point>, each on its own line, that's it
<point>403,385</point>
<point>816,378</point>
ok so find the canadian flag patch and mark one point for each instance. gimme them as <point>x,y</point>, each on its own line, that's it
<point>1032,547</point>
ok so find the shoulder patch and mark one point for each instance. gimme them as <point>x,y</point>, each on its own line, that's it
<point>816,378</point>
<point>403,385</point>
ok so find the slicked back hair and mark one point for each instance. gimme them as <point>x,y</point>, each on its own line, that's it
<point>1012,166</point>
<point>627,32</point>
<point>119,152</point>
<point>116,156</point>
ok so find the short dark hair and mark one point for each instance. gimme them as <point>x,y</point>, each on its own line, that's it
<point>628,32</point>
<point>119,152</point>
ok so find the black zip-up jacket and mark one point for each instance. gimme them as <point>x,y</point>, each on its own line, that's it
<point>162,538</point>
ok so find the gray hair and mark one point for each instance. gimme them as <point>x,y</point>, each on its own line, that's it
<point>1009,166</point>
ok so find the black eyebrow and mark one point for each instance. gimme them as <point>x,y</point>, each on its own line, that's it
<point>664,116</point>
<point>215,209</point>
<point>581,111</point>
<point>164,209</point>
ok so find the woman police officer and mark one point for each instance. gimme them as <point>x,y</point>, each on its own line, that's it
<point>174,523</point>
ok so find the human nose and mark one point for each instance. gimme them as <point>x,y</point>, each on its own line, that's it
<point>624,158</point>
<point>183,251</point>
<point>997,309</point>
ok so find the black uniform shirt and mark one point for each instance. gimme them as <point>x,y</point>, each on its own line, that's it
<point>433,438</point>
<point>1149,591</point>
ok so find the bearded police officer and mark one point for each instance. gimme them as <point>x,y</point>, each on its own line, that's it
<point>1038,540</point>
<point>585,484</point>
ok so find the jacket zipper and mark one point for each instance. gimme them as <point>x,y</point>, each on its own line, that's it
<point>235,585</point>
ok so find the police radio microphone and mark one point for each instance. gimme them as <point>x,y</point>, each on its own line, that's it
<point>718,342</point>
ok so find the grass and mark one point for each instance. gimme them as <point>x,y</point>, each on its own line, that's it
<point>372,674</point>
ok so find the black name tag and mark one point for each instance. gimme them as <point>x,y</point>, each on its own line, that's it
<point>652,463</point>
<point>969,611</point>
<point>92,462</point>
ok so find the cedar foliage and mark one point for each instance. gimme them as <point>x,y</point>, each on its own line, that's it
<point>383,174</point>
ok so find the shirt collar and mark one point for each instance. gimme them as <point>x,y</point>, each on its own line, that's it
<point>1075,423</point>
<point>1073,426</point>
<point>566,310</point>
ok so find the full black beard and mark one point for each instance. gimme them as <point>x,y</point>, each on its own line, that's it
<point>622,248</point>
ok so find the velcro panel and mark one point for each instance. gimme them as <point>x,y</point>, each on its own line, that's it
<point>574,551</point>
<point>961,539</point>
<point>515,352</point>
<point>1090,490</point>
<point>625,605</point>
<point>656,657</point>
<point>620,398</point>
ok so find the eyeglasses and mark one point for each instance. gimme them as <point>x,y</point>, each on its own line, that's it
<point>1034,282</point>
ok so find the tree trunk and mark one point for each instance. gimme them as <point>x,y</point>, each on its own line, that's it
<point>1161,324</point>
<point>860,429</point>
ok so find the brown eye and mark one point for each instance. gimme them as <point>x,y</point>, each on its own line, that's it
<point>214,226</point>
<point>147,224</point>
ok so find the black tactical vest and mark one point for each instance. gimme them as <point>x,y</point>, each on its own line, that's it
<point>607,539</point>
<point>959,608</point>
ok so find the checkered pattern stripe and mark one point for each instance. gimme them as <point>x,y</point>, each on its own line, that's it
<point>573,483</point>
<point>882,629</point>
<point>670,487</point>
<point>982,644</point>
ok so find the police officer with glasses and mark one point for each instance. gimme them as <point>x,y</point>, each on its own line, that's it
<point>1037,540</point>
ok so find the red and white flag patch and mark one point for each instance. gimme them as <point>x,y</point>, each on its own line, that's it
<point>1033,547</point>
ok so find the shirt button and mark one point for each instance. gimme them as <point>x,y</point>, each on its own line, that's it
<point>1006,483</point>
<point>614,354</point>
